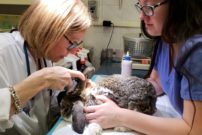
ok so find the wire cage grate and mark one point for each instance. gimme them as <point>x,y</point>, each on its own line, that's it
<point>138,47</point>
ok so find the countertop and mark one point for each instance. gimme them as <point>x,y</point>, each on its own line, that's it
<point>110,67</point>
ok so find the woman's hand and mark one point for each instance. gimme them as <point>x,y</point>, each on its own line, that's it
<point>51,77</point>
<point>58,77</point>
<point>106,114</point>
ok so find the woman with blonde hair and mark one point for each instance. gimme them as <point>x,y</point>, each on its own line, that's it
<point>48,30</point>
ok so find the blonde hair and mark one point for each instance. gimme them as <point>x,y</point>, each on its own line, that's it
<point>46,21</point>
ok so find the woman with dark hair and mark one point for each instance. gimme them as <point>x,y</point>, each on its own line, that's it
<point>177,70</point>
<point>48,30</point>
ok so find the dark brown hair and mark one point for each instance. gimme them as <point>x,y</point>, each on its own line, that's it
<point>183,21</point>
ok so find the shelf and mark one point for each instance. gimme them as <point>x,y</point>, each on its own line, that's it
<point>8,21</point>
<point>140,66</point>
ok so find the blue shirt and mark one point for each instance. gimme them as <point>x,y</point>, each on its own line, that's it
<point>174,84</point>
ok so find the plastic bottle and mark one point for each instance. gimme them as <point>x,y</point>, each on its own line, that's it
<point>126,65</point>
<point>82,64</point>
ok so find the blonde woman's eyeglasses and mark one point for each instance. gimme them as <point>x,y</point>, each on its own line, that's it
<point>72,44</point>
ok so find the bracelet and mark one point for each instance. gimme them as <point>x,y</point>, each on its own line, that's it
<point>15,99</point>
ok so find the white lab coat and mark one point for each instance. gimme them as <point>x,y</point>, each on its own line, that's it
<point>13,70</point>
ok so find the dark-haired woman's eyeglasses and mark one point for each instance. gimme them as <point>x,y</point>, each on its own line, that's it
<point>148,10</point>
<point>72,44</point>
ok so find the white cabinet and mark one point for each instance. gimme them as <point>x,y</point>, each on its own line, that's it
<point>16,2</point>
